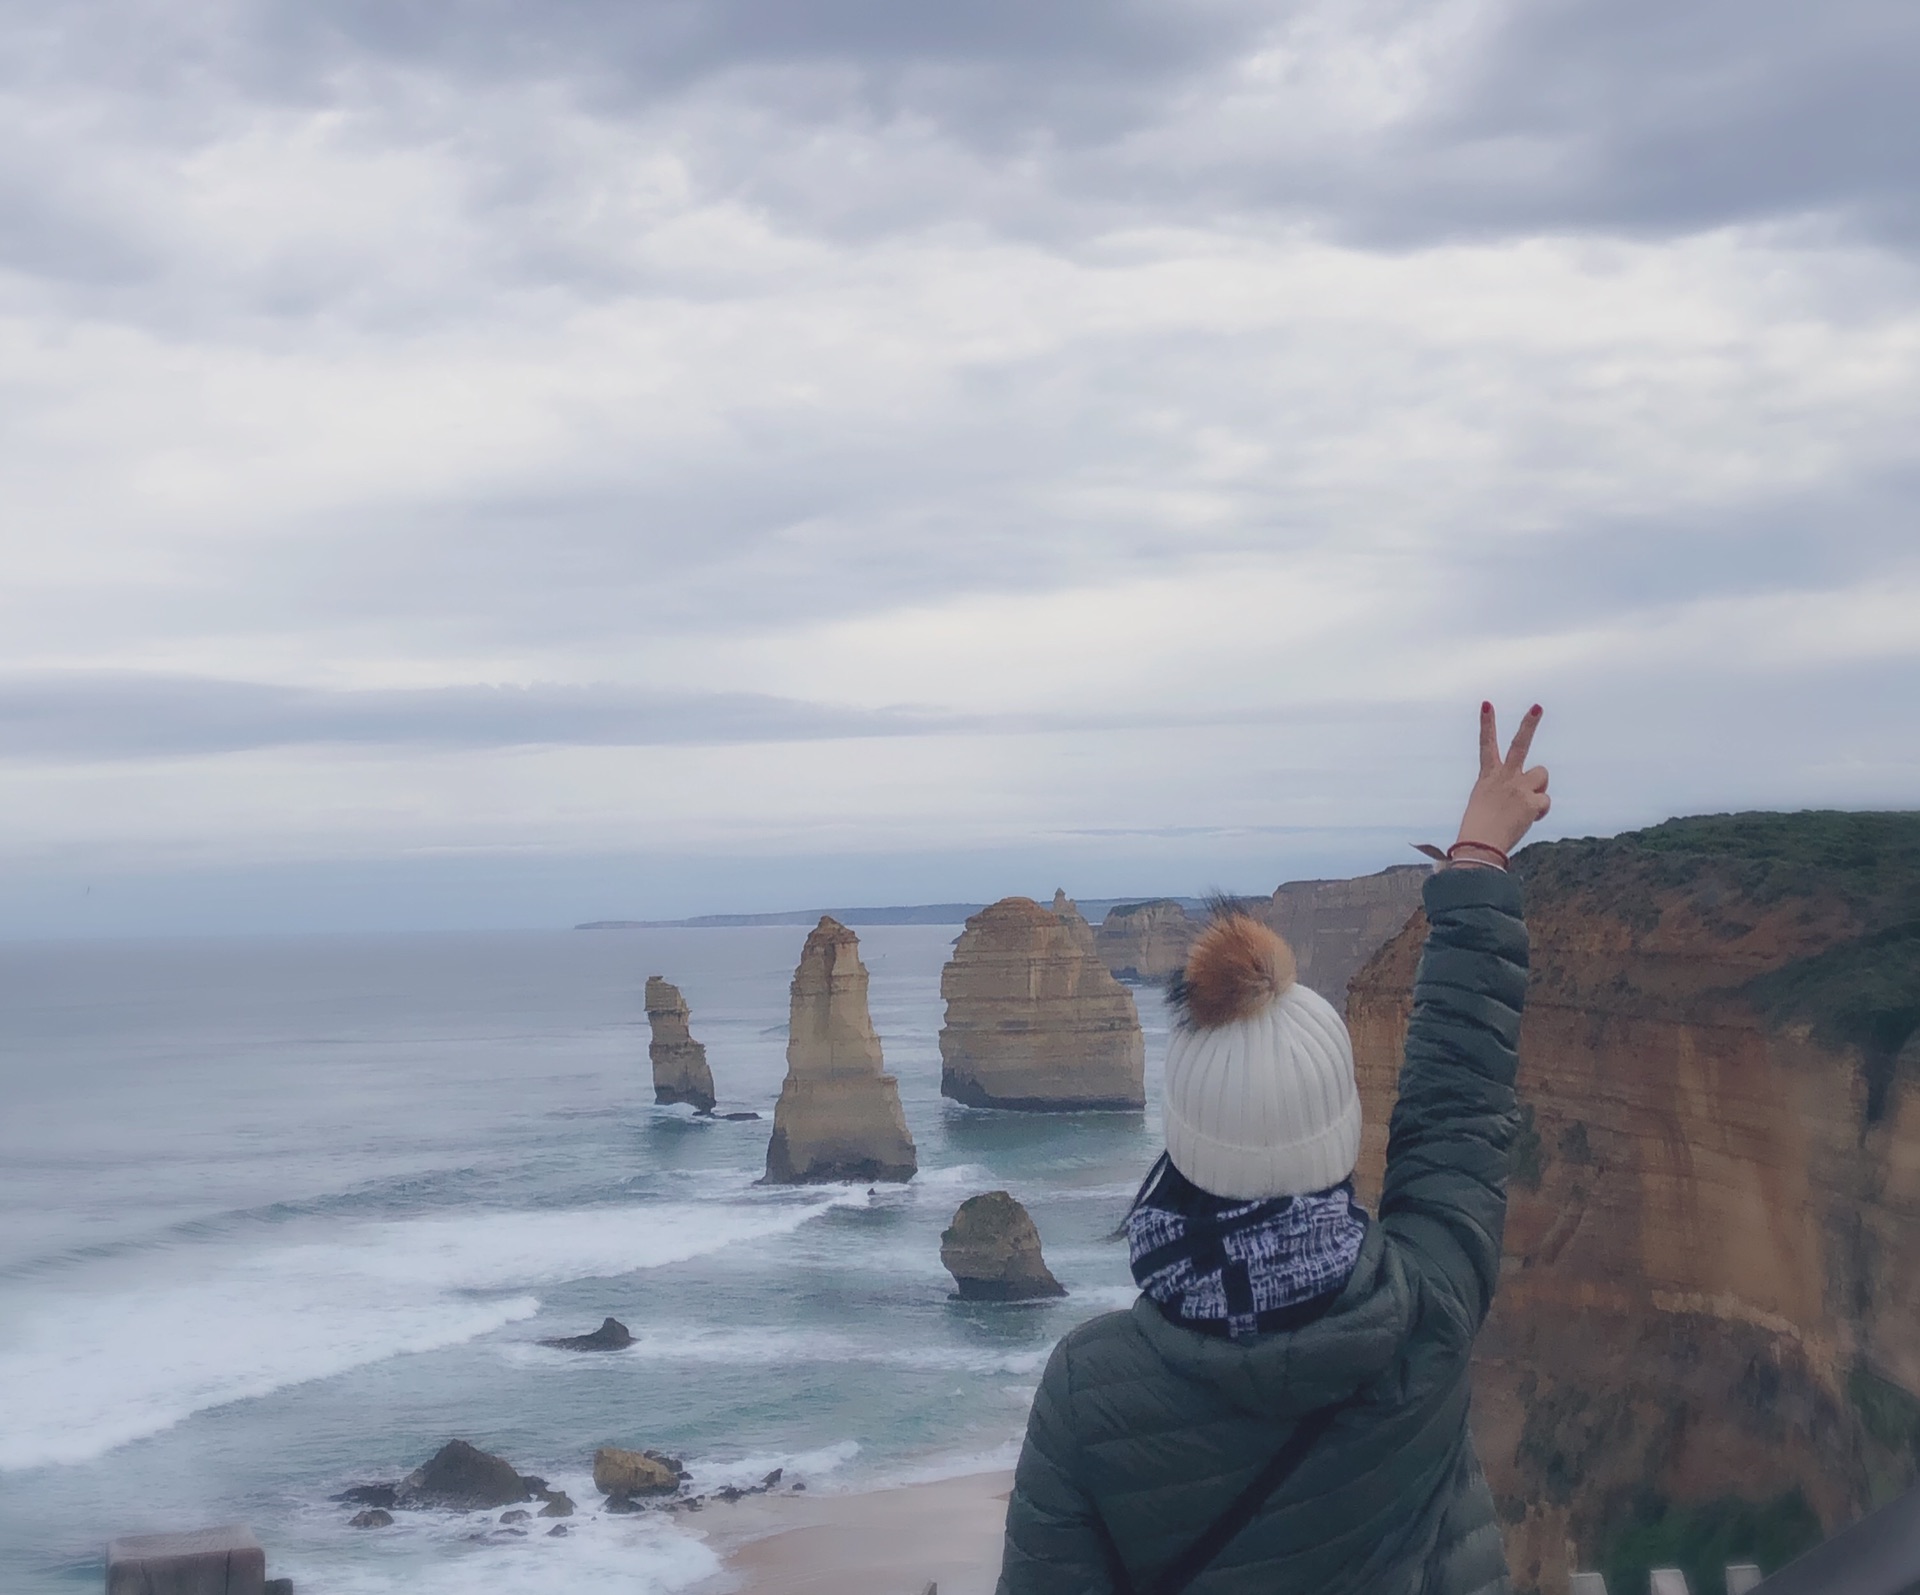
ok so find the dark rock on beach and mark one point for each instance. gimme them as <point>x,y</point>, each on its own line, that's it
<point>559,1504</point>
<point>463,1478</point>
<point>612,1335</point>
<point>372,1518</point>
<point>518,1514</point>
<point>557,1532</point>
<point>735,1492</point>
<point>619,1473</point>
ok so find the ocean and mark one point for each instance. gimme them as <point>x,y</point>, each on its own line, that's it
<point>280,1216</point>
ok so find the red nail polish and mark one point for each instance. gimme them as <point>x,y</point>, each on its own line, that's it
<point>1485,707</point>
<point>1536,709</point>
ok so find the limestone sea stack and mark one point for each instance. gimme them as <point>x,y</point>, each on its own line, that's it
<point>993,1252</point>
<point>680,1072</point>
<point>1034,1020</point>
<point>839,1115</point>
<point>1146,941</point>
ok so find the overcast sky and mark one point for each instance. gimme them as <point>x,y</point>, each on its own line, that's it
<point>509,463</point>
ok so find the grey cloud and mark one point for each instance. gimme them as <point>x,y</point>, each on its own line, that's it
<point>1666,118</point>
<point>1607,564</point>
<point>131,716</point>
<point>997,67</point>
<point>106,716</point>
<point>1580,115</point>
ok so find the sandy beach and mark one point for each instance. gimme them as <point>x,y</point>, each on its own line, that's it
<point>883,1542</point>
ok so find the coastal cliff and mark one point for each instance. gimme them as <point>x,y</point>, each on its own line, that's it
<point>680,1072</point>
<point>1146,941</point>
<point>839,1114</point>
<point>1334,927</point>
<point>1711,1282</point>
<point>1034,1022</point>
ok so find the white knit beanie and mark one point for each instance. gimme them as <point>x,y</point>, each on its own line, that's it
<point>1260,1099</point>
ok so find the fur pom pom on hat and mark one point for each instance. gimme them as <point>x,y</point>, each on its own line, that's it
<point>1260,1098</point>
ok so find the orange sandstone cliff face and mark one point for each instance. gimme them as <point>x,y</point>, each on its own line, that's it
<point>1711,1282</point>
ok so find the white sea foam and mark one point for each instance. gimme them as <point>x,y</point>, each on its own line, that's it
<point>110,1353</point>
<point>764,1348</point>
<point>1108,1298</point>
<point>740,1472</point>
<point>961,1465</point>
<point>974,1175</point>
<point>636,1556</point>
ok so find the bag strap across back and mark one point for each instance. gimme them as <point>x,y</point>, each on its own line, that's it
<point>1222,1531</point>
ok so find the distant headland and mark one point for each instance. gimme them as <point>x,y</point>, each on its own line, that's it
<point>912,914</point>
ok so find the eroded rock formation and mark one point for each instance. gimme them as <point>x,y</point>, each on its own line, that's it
<point>1146,941</point>
<point>1712,1272</point>
<point>680,1072</point>
<point>1334,927</point>
<point>462,1478</point>
<point>993,1252</point>
<point>1034,1021</point>
<point>839,1114</point>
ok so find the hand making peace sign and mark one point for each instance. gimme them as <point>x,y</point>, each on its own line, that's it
<point>1508,798</point>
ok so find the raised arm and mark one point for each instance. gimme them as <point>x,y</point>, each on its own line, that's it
<point>1445,1194</point>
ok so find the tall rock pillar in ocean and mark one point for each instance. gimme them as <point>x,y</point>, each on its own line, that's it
<point>680,1072</point>
<point>1034,1020</point>
<point>839,1115</point>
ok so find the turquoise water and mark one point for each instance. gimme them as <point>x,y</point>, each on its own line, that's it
<point>279,1216</point>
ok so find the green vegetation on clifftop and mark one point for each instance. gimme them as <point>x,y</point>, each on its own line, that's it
<point>1862,993</point>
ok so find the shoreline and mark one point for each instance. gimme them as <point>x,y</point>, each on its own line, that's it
<point>891,1541</point>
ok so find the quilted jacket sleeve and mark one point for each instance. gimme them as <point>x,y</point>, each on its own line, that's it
<point>1054,1542</point>
<point>1445,1194</point>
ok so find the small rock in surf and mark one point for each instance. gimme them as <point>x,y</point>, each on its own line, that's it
<point>612,1335</point>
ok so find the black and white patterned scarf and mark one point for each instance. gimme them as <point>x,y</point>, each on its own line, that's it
<point>1228,1267</point>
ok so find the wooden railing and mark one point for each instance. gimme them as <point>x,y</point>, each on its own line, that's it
<point>1879,1555</point>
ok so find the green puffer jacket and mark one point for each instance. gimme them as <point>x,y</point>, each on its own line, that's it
<point>1152,1430</point>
